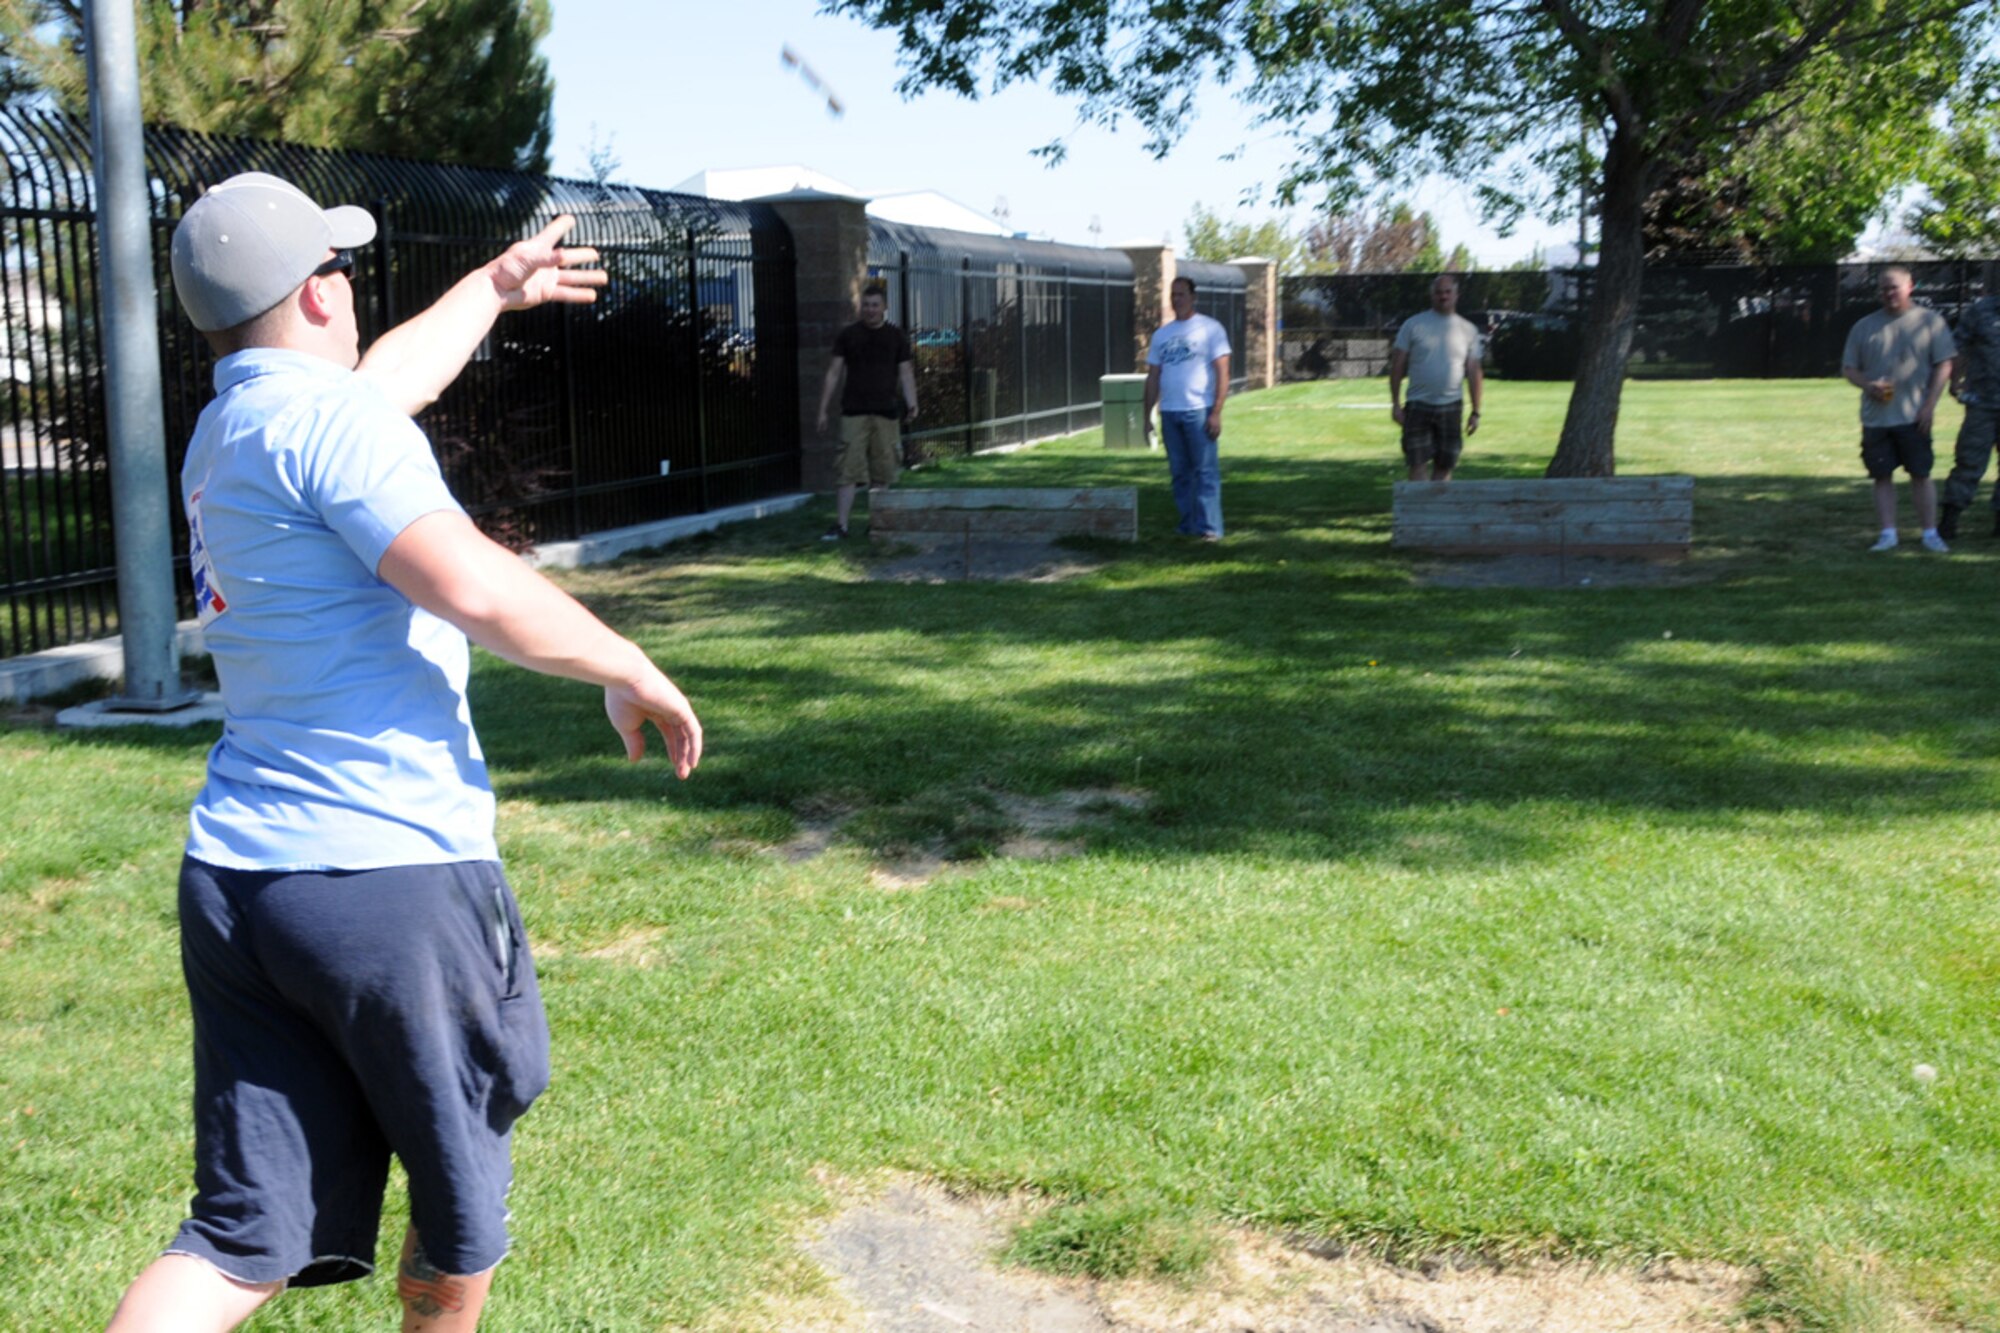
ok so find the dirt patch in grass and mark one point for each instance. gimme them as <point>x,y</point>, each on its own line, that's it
<point>1558,571</point>
<point>813,838</point>
<point>641,948</point>
<point>914,843</point>
<point>920,1259</point>
<point>1037,819</point>
<point>984,560</point>
<point>904,873</point>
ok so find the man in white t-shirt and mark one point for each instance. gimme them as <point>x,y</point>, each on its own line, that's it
<point>1900,358</point>
<point>1187,377</point>
<point>1439,351</point>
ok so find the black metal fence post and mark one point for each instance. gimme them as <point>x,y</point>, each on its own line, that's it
<point>697,340</point>
<point>1069,354</point>
<point>965,347</point>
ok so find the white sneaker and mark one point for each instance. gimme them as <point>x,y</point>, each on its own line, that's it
<point>1886,542</point>
<point>1933,542</point>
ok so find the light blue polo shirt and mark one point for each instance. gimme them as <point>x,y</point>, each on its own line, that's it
<point>347,743</point>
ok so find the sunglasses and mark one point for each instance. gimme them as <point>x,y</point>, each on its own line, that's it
<point>342,262</point>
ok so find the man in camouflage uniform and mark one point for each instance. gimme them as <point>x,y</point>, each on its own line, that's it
<point>1975,382</point>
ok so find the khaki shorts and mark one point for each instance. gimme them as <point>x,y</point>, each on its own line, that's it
<point>870,449</point>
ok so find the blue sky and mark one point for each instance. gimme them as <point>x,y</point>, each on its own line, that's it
<point>679,87</point>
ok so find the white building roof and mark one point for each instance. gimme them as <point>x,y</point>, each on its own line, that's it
<point>922,208</point>
<point>756,182</point>
<point>928,208</point>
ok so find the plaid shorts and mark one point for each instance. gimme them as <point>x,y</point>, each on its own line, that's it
<point>1433,433</point>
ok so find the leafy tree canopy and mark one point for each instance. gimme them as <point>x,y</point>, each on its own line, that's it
<point>1394,238</point>
<point>449,80</point>
<point>1961,218</point>
<point>1526,100</point>
<point>1214,239</point>
<point>1802,187</point>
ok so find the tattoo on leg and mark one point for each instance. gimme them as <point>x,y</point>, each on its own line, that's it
<point>425,1289</point>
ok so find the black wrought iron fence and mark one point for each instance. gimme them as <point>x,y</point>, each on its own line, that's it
<point>1694,323</point>
<point>676,393</point>
<point>1011,337</point>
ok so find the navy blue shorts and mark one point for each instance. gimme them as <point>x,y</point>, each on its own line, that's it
<point>1886,448</point>
<point>339,1017</point>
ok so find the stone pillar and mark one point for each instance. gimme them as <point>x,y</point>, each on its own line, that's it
<point>1260,321</point>
<point>1152,304</point>
<point>830,251</point>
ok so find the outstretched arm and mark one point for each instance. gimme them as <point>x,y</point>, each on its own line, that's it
<point>414,361</point>
<point>451,569</point>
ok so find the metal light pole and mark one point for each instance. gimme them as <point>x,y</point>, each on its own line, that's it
<point>130,306</point>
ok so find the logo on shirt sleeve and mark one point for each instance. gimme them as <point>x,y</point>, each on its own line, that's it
<point>208,599</point>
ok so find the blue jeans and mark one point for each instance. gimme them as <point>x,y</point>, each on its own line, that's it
<point>1196,469</point>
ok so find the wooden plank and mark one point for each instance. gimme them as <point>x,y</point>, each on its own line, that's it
<point>1580,515</point>
<point>1598,512</point>
<point>1619,551</point>
<point>1001,497</point>
<point>1542,534</point>
<point>1569,490</point>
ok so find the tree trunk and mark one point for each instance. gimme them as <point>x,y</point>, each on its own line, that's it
<point>1585,449</point>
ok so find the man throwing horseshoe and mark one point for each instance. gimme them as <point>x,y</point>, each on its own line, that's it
<point>358,974</point>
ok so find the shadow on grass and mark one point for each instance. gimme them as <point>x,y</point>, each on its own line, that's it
<point>1294,691</point>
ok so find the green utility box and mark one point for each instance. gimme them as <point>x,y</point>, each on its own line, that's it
<point>1124,411</point>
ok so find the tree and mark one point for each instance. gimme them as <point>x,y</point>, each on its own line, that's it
<point>449,80</point>
<point>1802,188</point>
<point>1394,238</point>
<point>1544,96</point>
<point>1213,240</point>
<point>1535,261</point>
<point>602,157</point>
<point>1961,218</point>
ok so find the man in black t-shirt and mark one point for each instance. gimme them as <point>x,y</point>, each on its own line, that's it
<point>874,357</point>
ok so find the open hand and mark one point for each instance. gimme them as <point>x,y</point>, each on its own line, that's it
<point>538,270</point>
<point>657,700</point>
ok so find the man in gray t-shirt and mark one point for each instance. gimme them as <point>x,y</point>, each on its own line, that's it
<point>1439,351</point>
<point>1899,357</point>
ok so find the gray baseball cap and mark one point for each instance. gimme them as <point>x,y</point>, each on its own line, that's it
<point>249,242</point>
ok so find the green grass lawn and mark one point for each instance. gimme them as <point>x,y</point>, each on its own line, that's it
<point>1601,921</point>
